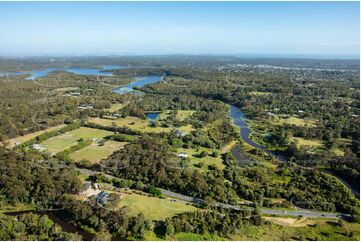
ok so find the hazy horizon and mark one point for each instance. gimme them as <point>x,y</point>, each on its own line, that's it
<point>245,29</point>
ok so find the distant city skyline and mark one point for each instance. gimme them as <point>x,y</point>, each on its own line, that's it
<point>284,29</point>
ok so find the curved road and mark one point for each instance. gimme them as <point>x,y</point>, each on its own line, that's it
<point>198,201</point>
<point>295,213</point>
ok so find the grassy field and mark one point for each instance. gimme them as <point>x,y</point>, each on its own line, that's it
<point>96,153</point>
<point>295,121</point>
<point>21,139</point>
<point>323,230</point>
<point>338,152</point>
<point>64,141</point>
<point>260,93</point>
<point>115,107</point>
<point>154,208</point>
<point>183,114</point>
<point>138,124</point>
<point>307,142</point>
<point>208,160</point>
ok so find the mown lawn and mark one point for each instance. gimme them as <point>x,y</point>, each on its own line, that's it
<point>64,141</point>
<point>154,208</point>
<point>138,124</point>
<point>96,152</point>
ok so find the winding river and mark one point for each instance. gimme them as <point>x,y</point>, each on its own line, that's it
<point>239,120</point>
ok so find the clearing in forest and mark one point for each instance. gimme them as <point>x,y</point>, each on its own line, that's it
<point>307,142</point>
<point>154,208</point>
<point>138,124</point>
<point>97,152</point>
<point>115,107</point>
<point>65,141</point>
<point>295,121</point>
<point>202,163</point>
<point>260,93</point>
<point>21,139</point>
<point>293,222</point>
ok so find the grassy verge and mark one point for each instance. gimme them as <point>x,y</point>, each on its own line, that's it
<point>320,230</point>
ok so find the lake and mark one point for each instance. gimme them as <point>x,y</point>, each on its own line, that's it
<point>140,81</point>
<point>104,71</point>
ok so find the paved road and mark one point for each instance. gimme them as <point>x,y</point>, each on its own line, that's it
<point>197,201</point>
<point>305,213</point>
<point>296,213</point>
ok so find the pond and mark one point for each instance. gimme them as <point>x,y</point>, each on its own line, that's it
<point>152,115</point>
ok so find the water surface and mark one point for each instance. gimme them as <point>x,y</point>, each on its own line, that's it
<point>152,115</point>
<point>103,71</point>
<point>239,120</point>
<point>140,82</point>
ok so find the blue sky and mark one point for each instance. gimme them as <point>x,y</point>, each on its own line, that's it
<point>263,28</point>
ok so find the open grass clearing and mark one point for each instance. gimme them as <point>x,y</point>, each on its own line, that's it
<point>154,208</point>
<point>21,139</point>
<point>115,107</point>
<point>294,121</point>
<point>293,222</point>
<point>65,141</point>
<point>307,142</point>
<point>95,152</point>
<point>325,229</point>
<point>184,114</point>
<point>338,152</point>
<point>181,114</point>
<point>208,160</point>
<point>138,124</point>
<point>260,93</point>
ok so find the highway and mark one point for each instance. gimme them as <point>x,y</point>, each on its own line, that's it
<point>198,201</point>
<point>295,213</point>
